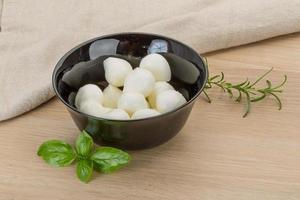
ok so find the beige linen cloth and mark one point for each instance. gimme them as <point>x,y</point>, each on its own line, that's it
<point>36,33</point>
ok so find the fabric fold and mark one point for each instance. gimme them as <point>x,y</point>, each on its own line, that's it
<point>1,6</point>
<point>35,34</point>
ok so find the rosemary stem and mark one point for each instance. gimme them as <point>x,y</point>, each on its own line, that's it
<point>261,77</point>
<point>246,89</point>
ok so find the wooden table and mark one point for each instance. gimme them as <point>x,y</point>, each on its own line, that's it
<point>217,155</point>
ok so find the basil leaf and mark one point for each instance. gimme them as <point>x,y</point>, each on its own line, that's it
<point>57,153</point>
<point>109,159</point>
<point>84,170</point>
<point>97,167</point>
<point>84,144</point>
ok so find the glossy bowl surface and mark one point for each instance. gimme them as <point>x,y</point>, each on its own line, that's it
<point>83,65</point>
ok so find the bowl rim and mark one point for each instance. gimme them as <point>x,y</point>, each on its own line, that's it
<point>63,58</point>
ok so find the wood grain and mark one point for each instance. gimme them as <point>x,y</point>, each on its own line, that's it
<point>218,154</point>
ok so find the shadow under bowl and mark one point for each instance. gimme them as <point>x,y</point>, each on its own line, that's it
<point>84,64</point>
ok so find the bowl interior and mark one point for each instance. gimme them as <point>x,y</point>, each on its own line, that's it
<point>84,63</point>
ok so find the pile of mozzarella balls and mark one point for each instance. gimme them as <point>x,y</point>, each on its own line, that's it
<point>146,91</point>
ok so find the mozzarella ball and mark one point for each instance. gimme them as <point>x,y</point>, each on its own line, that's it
<point>159,87</point>
<point>111,95</point>
<point>132,102</point>
<point>117,114</point>
<point>116,70</point>
<point>158,65</point>
<point>169,100</point>
<point>139,81</point>
<point>144,113</point>
<point>93,108</point>
<point>88,92</point>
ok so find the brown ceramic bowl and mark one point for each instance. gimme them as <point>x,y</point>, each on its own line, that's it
<point>83,65</point>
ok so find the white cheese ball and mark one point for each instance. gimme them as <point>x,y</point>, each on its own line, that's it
<point>144,113</point>
<point>132,102</point>
<point>88,92</point>
<point>159,87</point>
<point>158,65</point>
<point>117,114</point>
<point>169,100</point>
<point>111,95</point>
<point>139,81</point>
<point>93,108</point>
<point>116,70</point>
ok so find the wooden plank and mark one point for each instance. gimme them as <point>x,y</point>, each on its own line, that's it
<point>218,154</point>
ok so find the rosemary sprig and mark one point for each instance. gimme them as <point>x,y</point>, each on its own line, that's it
<point>247,89</point>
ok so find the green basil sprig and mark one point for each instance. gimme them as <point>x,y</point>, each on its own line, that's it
<point>102,159</point>
<point>57,153</point>
<point>109,159</point>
